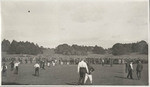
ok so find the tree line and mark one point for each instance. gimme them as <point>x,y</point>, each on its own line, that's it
<point>21,47</point>
<point>66,49</point>
<point>139,47</point>
<point>117,49</point>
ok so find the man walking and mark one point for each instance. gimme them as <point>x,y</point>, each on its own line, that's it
<point>26,60</point>
<point>130,69</point>
<point>43,64</point>
<point>37,67</point>
<point>16,67</point>
<point>4,69</point>
<point>103,62</point>
<point>126,66</point>
<point>82,70</point>
<point>12,65</point>
<point>139,69</point>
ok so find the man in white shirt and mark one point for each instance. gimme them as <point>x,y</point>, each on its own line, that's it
<point>82,70</point>
<point>16,67</point>
<point>103,62</point>
<point>37,67</point>
<point>130,69</point>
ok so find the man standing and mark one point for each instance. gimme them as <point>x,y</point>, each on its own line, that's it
<point>130,69</point>
<point>31,59</point>
<point>26,61</point>
<point>53,62</point>
<point>43,64</point>
<point>48,63</point>
<point>37,67</point>
<point>111,62</point>
<point>4,69</point>
<point>103,62</point>
<point>139,69</point>
<point>16,67</point>
<point>82,70</point>
<point>12,65</point>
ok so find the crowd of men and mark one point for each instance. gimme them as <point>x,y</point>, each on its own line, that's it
<point>84,65</point>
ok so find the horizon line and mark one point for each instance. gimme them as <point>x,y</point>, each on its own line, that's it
<point>73,44</point>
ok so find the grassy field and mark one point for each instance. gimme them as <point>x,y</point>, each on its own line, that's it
<point>67,75</point>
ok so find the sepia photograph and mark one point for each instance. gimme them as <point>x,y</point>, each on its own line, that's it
<point>74,42</point>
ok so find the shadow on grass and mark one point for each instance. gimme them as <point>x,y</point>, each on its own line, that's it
<point>72,83</point>
<point>35,75</point>
<point>12,83</point>
<point>121,77</point>
<point>119,72</point>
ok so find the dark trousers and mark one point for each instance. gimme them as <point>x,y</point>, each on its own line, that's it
<point>12,67</point>
<point>138,73</point>
<point>130,74</point>
<point>102,63</point>
<point>43,65</point>
<point>126,67</point>
<point>37,71</point>
<point>16,70</point>
<point>82,73</point>
<point>4,73</point>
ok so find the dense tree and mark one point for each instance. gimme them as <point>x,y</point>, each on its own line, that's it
<point>143,47</point>
<point>63,49</point>
<point>24,48</point>
<point>78,50</point>
<point>98,50</point>
<point>117,49</point>
<point>5,45</point>
<point>139,47</point>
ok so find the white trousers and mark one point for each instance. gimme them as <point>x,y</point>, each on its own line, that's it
<point>88,76</point>
<point>48,64</point>
<point>61,63</point>
<point>53,64</point>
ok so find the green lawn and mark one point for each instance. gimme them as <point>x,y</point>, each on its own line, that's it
<point>67,75</point>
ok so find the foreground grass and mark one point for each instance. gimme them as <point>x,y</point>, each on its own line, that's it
<point>67,75</point>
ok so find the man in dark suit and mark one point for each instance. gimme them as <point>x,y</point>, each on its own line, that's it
<point>12,65</point>
<point>139,69</point>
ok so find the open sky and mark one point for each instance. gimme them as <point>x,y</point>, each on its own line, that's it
<point>83,22</point>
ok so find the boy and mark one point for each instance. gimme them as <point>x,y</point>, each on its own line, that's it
<point>91,69</point>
